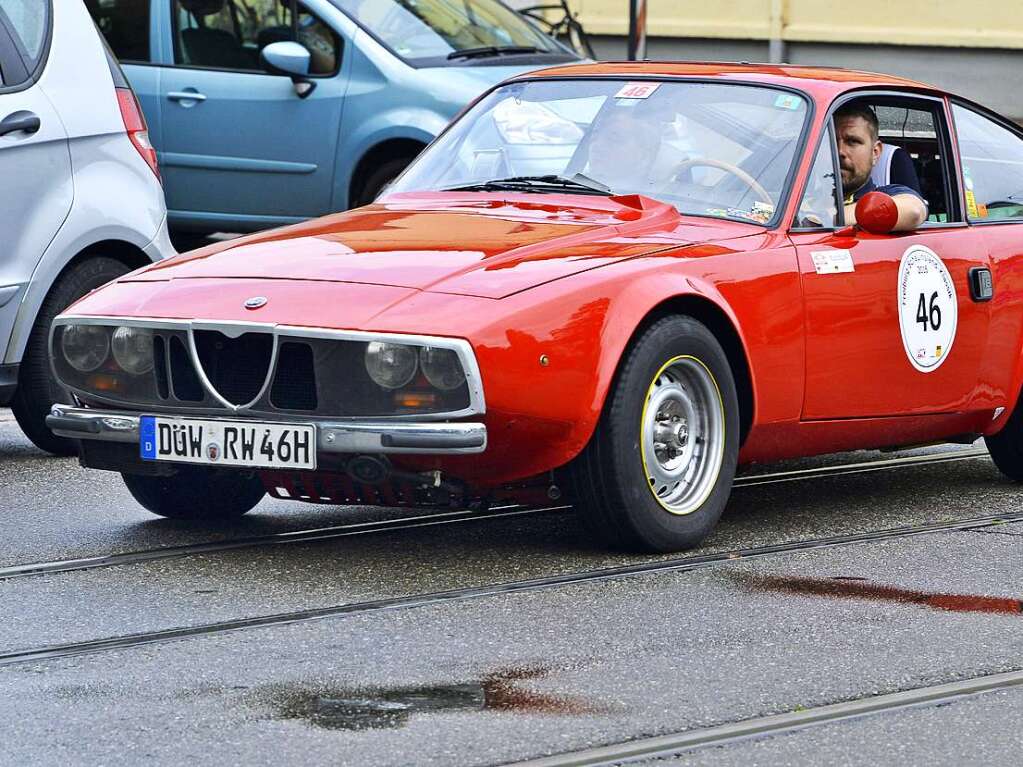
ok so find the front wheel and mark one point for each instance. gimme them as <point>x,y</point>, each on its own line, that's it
<point>197,494</point>
<point>658,470</point>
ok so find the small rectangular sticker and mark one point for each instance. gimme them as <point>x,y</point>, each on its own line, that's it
<point>788,101</point>
<point>636,90</point>
<point>832,261</point>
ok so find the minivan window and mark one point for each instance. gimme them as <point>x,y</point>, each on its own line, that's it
<point>28,24</point>
<point>125,25</point>
<point>221,34</point>
<point>420,30</point>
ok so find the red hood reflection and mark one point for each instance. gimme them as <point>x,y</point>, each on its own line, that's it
<point>480,244</point>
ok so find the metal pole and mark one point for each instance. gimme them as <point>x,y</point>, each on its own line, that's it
<point>637,30</point>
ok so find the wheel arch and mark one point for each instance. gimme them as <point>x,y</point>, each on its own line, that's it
<point>128,253</point>
<point>722,326</point>
<point>384,151</point>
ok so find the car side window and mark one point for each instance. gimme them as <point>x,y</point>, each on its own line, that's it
<point>27,24</point>
<point>125,25</point>
<point>819,207</point>
<point>992,166</point>
<point>226,34</point>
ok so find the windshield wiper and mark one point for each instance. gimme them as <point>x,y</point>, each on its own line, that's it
<point>492,50</point>
<point>578,182</point>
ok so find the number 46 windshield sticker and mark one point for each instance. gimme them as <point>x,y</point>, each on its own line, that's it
<point>928,308</point>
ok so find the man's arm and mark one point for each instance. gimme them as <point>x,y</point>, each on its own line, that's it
<point>912,212</point>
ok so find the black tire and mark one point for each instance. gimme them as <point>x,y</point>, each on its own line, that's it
<point>37,388</point>
<point>197,494</point>
<point>1006,447</point>
<point>381,176</point>
<point>610,478</point>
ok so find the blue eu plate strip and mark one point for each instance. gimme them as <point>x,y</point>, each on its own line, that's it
<point>147,437</point>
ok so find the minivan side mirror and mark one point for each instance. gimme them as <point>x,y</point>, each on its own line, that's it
<point>289,58</point>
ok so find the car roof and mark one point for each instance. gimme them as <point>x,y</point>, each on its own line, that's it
<point>819,81</point>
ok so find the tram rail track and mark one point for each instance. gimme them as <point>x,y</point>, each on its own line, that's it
<point>661,746</point>
<point>76,564</point>
<point>674,565</point>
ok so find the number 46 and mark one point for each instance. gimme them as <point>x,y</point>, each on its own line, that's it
<point>930,318</point>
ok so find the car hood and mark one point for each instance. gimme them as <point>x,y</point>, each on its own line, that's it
<point>487,245</point>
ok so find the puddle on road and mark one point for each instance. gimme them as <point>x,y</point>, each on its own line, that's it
<point>853,587</point>
<point>391,708</point>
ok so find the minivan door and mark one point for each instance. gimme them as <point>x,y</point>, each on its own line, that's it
<point>239,148</point>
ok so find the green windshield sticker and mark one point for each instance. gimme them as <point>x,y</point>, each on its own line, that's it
<point>788,101</point>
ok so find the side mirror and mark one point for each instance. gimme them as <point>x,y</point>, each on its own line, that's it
<point>292,59</point>
<point>876,213</point>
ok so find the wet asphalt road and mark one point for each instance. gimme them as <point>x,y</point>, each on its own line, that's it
<point>501,678</point>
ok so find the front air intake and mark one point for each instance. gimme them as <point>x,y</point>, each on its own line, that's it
<point>236,368</point>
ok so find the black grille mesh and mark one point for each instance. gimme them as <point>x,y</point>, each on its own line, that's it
<point>294,386</point>
<point>236,367</point>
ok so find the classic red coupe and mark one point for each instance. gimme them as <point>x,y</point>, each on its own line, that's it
<point>617,281</point>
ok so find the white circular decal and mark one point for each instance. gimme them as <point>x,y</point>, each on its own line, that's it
<point>928,308</point>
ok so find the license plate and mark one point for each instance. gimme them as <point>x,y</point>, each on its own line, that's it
<point>228,443</point>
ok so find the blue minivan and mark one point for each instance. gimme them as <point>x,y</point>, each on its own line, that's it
<point>268,112</point>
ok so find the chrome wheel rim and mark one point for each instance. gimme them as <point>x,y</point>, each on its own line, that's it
<point>683,435</point>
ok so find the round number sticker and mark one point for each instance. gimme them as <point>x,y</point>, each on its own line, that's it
<point>928,308</point>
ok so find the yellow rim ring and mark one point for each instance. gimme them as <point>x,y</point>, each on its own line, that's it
<point>642,420</point>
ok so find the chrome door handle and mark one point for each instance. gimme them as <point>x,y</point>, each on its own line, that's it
<point>186,96</point>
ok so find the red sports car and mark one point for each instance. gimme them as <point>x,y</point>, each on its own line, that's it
<point>615,281</point>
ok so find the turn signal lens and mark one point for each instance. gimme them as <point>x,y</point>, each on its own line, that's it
<point>133,349</point>
<point>85,347</point>
<point>442,368</point>
<point>391,366</point>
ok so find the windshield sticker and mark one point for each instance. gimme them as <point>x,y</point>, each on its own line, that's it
<point>788,101</point>
<point>637,90</point>
<point>928,308</point>
<point>832,261</point>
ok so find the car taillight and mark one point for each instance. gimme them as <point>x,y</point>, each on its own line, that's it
<point>135,125</point>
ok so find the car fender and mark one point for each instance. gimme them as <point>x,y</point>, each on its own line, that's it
<point>567,339</point>
<point>138,219</point>
<point>407,124</point>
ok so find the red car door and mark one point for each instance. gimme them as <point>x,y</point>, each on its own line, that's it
<point>891,325</point>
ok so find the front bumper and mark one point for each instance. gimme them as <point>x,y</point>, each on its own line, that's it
<point>332,437</point>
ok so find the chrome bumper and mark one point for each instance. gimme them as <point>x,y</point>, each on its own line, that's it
<point>331,436</point>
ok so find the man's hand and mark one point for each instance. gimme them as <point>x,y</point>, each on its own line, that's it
<point>912,212</point>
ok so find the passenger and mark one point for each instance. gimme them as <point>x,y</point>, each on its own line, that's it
<point>621,151</point>
<point>856,130</point>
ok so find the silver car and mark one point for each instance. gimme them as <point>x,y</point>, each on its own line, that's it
<point>80,196</point>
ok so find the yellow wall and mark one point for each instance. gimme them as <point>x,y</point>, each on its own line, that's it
<point>974,24</point>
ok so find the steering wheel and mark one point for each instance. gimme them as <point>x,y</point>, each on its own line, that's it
<point>734,170</point>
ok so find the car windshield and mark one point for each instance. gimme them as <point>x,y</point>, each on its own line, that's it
<point>449,30</point>
<point>717,150</point>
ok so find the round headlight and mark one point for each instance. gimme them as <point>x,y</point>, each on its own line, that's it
<point>85,347</point>
<point>133,349</point>
<point>390,365</point>
<point>441,367</point>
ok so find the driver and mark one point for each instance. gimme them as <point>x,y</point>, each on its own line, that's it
<point>856,130</point>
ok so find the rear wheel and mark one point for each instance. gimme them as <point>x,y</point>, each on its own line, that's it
<point>658,470</point>
<point>37,388</point>
<point>1006,447</point>
<point>197,494</point>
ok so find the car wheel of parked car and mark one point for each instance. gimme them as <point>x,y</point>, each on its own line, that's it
<point>384,174</point>
<point>1006,447</point>
<point>658,470</point>
<point>37,389</point>
<point>197,493</point>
